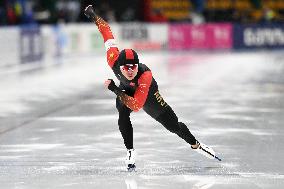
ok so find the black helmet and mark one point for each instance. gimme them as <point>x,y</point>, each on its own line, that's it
<point>128,56</point>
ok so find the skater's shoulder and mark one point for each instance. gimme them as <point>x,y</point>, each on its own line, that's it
<point>143,67</point>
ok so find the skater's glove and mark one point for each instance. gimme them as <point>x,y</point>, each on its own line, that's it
<point>90,12</point>
<point>112,87</point>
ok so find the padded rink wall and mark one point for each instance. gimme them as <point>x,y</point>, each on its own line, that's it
<point>40,44</point>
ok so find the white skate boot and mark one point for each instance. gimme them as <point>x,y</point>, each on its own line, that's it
<point>206,151</point>
<point>130,159</point>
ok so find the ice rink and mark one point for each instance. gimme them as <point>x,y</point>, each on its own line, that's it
<point>58,125</point>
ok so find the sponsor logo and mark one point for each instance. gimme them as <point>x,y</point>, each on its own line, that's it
<point>221,33</point>
<point>263,36</point>
<point>177,35</point>
<point>160,99</point>
<point>135,32</point>
<point>31,44</point>
<point>198,34</point>
<point>205,36</point>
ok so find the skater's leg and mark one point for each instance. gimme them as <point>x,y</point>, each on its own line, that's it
<point>170,121</point>
<point>126,130</point>
<point>124,123</point>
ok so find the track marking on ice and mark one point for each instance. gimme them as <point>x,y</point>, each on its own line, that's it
<point>56,168</point>
<point>10,157</point>
<point>49,129</point>
<point>113,135</point>
<point>81,118</point>
<point>28,147</point>
<point>264,175</point>
<point>227,131</point>
<point>232,117</point>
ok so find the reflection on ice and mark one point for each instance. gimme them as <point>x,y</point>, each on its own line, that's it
<point>93,118</point>
<point>131,183</point>
<point>204,184</point>
<point>28,147</point>
<point>198,183</point>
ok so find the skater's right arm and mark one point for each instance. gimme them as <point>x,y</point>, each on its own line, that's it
<point>103,26</point>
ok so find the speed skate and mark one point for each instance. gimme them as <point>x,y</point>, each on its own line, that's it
<point>206,151</point>
<point>131,167</point>
<point>130,160</point>
<point>203,149</point>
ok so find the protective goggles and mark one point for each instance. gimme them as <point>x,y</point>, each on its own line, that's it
<point>129,67</point>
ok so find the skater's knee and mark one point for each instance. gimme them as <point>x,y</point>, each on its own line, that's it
<point>124,123</point>
<point>181,125</point>
<point>186,134</point>
<point>174,128</point>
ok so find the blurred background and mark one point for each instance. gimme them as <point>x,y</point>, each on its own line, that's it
<point>51,28</point>
<point>15,12</point>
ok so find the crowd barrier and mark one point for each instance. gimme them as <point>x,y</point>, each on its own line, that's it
<point>35,43</point>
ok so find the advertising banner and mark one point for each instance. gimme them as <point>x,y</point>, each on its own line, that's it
<point>143,36</point>
<point>199,36</point>
<point>9,48</point>
<point>220,36</point>
<point>31,44</point>
<point>204,36</point>
<point>269,36</point>
<point>54,41</point>
<point>73,39</point>
<point>179,36</point>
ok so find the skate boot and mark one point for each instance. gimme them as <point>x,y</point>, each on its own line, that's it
<point>130,159</point>
<point>206,151</point>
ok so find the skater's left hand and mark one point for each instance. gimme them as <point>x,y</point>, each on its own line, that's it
<point>109,84</point>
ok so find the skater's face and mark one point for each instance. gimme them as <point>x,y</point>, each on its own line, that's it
<point>129,71</point>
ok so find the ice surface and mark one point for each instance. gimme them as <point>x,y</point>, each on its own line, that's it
<point>58,125</point>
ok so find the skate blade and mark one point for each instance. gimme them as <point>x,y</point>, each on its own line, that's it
<point>211,154</point>
<point>218,158</point>
<point>131,168</point>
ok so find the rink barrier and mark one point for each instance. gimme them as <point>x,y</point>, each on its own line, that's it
<point>141,36</point>
<point>71,39</point>
<point>9,46</point>
<point>33,43</point>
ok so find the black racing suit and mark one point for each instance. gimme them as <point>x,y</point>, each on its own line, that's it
<point>141,92</point>
<point>155,106</point>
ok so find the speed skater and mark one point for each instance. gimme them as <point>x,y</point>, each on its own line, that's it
<point>138,90</point>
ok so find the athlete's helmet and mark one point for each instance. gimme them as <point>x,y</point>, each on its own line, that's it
<point>128,56</point>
